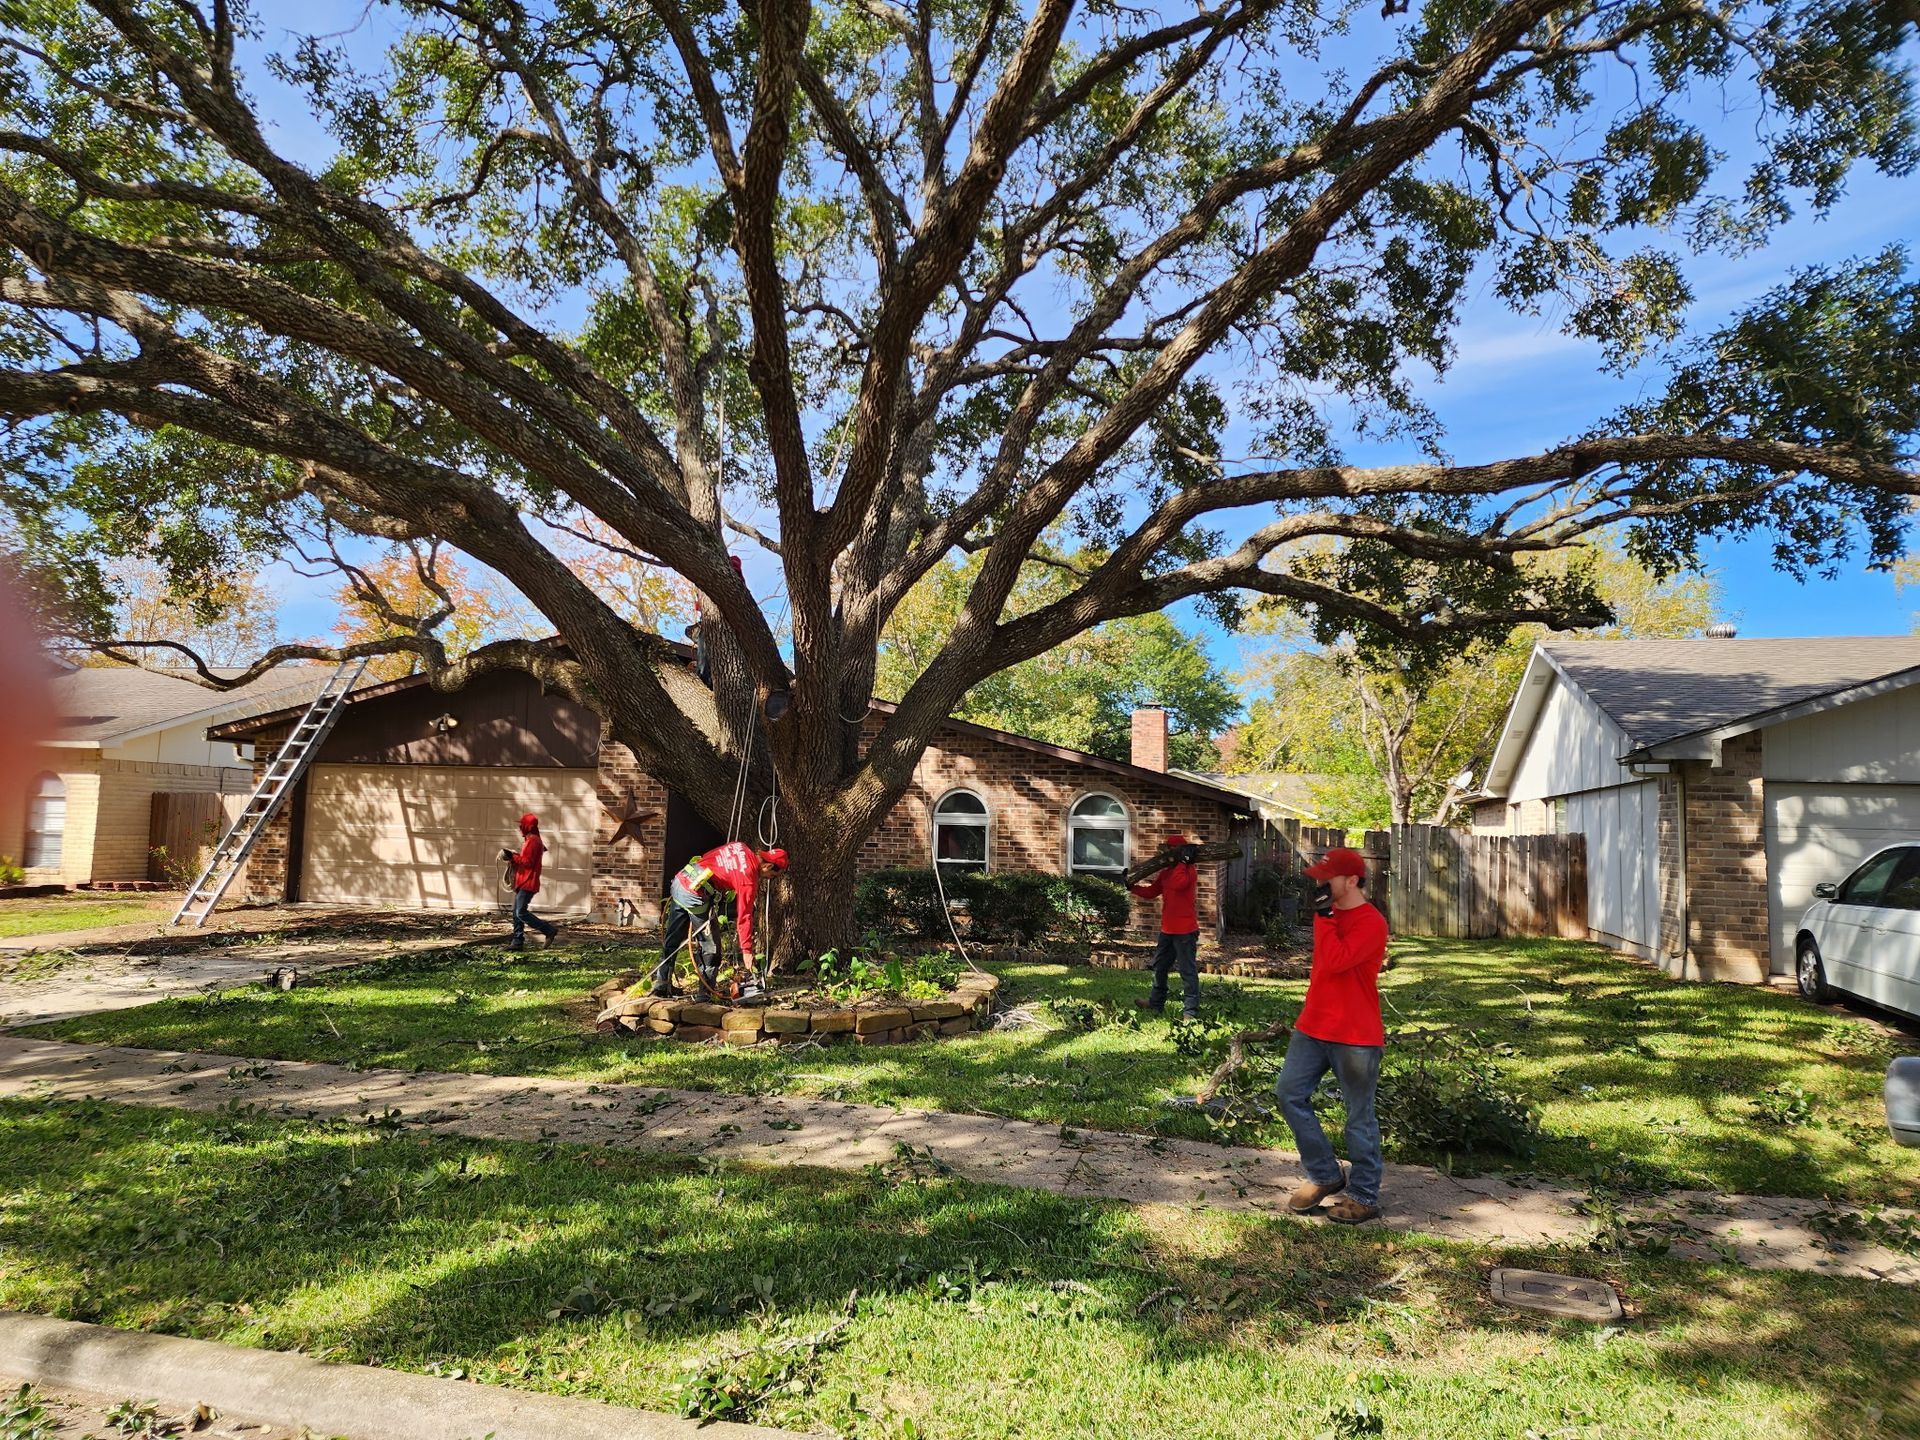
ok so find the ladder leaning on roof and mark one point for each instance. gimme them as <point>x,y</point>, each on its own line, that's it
<point>301,745</point>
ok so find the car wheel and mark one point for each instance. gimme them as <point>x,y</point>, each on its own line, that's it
<point>1811,974</point>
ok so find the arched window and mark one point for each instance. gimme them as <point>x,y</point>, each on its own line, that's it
<point>960,826</point>
<point>46,823</point>
<point>1097,836</point>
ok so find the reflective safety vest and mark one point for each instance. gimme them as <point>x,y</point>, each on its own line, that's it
<point>695,876</point>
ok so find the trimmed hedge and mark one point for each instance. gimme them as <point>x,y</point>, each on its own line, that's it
<point>1017,908</point>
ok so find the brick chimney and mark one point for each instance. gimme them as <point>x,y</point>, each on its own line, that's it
<point>1150,738</point>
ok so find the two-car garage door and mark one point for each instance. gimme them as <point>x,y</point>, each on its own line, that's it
<point>428,837</point>
<point>1820,832</point>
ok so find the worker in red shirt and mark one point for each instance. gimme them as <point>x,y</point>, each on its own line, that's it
<point>1339,1029</point>
<point>523,872</point>
<point>700,893</point>
<point>1179,943</point>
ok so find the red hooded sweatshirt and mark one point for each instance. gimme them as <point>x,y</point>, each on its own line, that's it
<point>736,866</point>
<point>1174,888</point>
<point>1343,988</point>
<point>526,865</point>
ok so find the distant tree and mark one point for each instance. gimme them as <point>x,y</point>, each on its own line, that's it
<point>422,590</point>
<point>1390,734</point>
<point>1081,694</point>
<point>647,595</point>
<point>228,621</point>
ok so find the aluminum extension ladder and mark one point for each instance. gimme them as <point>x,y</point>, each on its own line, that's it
<point>301,745</point>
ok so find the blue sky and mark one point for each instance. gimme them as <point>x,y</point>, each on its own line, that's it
<point>1517,386</point>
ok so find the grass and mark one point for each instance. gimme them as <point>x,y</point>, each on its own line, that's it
<point>48,914</point>
<point>1640,1081</point>
<point>983,1312</point>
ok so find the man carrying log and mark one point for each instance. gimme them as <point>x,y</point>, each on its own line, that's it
<point>1339,1029</point>
<point>1179,945</point>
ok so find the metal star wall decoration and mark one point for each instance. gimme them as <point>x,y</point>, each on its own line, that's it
<point>629,820</point>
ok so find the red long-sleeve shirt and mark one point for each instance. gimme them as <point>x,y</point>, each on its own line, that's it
<point>736,867</point>
<point>526,865</point>
<point>1343,990</point>
<point>1174,887</point>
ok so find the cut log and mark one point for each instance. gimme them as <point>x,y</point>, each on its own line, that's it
<point>1163,857</point>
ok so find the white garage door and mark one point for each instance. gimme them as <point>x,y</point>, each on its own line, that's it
<point>1820,832</point>
<point>428,837</point>
<point>1622,826</point>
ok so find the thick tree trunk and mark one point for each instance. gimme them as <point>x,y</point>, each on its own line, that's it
<point>815,905</point>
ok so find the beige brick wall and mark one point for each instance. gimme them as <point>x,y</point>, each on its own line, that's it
<point>122,839</point>
<point>1726,864</point>
<point>79,771</point>
<point>1669,945</point>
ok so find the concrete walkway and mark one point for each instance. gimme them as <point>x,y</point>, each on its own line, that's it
<point>92,983</point>
<point>1762,1232</point>
<point>96,1366</point>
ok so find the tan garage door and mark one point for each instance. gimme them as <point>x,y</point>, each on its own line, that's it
<point>427,837</point>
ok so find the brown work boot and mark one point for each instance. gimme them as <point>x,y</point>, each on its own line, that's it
<point>1349,1211</point>
<point>1309,1195</point>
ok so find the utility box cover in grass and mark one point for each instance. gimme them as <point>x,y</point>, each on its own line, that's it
<point>1566,1295</point>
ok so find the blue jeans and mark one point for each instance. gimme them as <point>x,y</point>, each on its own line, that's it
<point>1183,952</point>
<point>1357,1068</point>
<point>523,916</point>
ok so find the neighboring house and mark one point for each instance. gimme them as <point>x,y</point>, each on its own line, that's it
<point>414,791</point>
<point>1716,781</point>
<point>123,736</point>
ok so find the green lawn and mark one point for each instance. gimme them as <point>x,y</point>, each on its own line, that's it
<point>983,1312</point>
<point>45,914</point>
<point>1639,1080</point>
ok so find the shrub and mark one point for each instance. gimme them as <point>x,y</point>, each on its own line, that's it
<point>1454,1103</point>
<point>1016,908</point>
<point>1088,907</point>
<point>900,901</point>
<point>10,872</point>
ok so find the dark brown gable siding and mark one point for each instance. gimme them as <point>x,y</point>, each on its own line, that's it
<point>504,721</point>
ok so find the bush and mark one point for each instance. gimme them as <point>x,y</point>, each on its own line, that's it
<point>900,901</point>
<point>1454,1103</point>
<point>1015,909</point>
<point>10,872</point>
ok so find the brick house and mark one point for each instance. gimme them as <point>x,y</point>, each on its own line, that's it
<point>1717,781</point>
<point>123,736</point>
<point>413,792</point>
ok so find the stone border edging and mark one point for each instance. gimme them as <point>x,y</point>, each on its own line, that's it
<point>968,1007</point>
<point>290,1389</point>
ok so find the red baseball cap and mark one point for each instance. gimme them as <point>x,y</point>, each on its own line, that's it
<point>1339,862</point>
<point>1176,840</point>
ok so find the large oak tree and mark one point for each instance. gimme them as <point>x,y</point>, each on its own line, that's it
<point>869,283</point>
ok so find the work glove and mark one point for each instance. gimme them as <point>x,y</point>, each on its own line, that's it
<point>1187,854</point>
<point>1323,900</point>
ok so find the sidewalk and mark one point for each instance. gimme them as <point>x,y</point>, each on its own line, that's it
<point>93,1367</point>
<point>1765,1233</point>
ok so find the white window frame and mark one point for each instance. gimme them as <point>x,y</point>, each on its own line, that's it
<point>1123,823</point>
<point>984,823</point>
<point>40,835</point>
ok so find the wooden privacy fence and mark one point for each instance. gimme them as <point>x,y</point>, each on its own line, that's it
<point>1449,883</point>
<point>1289,846</point>
<point>186,824</point>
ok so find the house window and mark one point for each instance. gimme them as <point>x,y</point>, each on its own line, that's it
<point>960,831</point>
<point>46,823</point>
<point>1559,817</point>
<point>1097,836</point>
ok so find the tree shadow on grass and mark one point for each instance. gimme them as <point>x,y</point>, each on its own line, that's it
<point>419,1251</point>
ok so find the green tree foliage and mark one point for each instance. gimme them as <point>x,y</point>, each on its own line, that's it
<point>871,284</point>
<point>1081,694</point>
<point>1388,733</point>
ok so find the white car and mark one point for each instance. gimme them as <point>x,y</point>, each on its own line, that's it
<point>1862,936</point>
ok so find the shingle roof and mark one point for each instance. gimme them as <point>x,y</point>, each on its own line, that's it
<point>1658,690</point>
<point>102,703</point>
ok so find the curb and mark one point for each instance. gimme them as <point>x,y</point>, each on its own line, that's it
<point>293,1390</point>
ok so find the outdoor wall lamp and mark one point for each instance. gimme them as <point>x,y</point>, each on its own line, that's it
<point>446,723</point>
